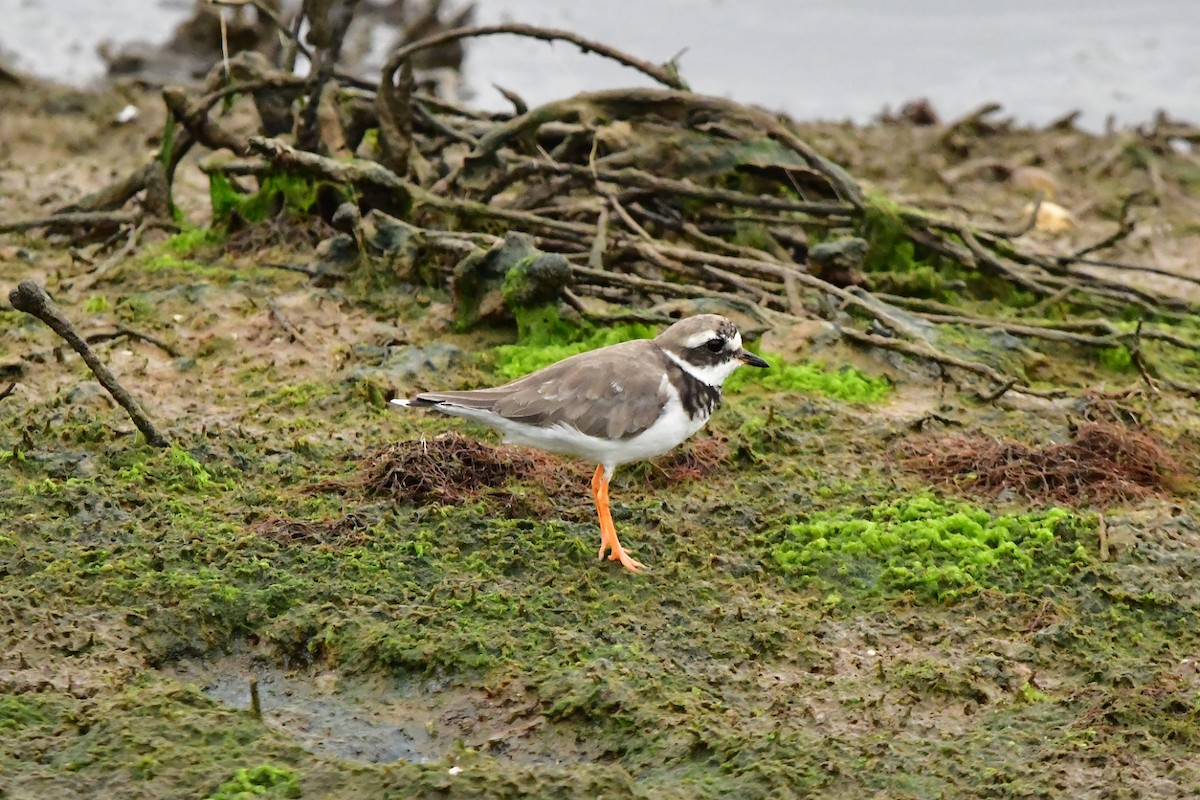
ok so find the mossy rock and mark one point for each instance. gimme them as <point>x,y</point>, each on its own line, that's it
<point>512,275</point>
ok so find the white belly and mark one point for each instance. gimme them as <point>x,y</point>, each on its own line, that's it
<point>668,431</point>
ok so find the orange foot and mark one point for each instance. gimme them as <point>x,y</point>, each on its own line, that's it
<point>608,531</point>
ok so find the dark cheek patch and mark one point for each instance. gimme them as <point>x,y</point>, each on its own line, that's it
<point>702,357</point>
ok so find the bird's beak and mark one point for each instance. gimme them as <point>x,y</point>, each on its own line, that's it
<point>748,358</point>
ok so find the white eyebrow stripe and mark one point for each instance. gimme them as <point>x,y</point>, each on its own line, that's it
<point>697,339</point>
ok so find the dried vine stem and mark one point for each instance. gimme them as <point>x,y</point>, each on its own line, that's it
<point>674,105</point>
<point>654,184</point>
<point>924,352</point>
<point>125,332</point>
<point>773,301</point>
<point>282,155</point>
<point>586,176</point>
<point>392,105</point>
<point>32,299</point>
<point>156,177</point>
<point>666,75</point>
<point>331,33</point>
<point>90,218</point>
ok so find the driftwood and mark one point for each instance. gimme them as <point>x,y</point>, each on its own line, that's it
<point>643,191</point>
<point>32,299</point>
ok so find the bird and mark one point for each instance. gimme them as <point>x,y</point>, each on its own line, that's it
<point>615,405</point>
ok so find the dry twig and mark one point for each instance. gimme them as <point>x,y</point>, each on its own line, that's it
<point>639,223</point>
<point>32,299</point>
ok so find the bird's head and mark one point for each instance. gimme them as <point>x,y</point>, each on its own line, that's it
<point>708,346</point>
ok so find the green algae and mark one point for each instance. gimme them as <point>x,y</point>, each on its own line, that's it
<point>535,280</point>
<point>169,263</point>
<point>701,679</point>
<point>135,308</point>
<point>514,273</point>
<point>292,193</point>
<point>936,550</point>
<point>886,234</point>
<point>189,241</point>
<point>516,283</point>
<point>20,712</point>
<point>897,265</point>
<point>297,395</point>
<point>847,383</point>
<point>261,781</point>
<point>545,338</point>
<point>150,740</point>
<point>174,469</point>
<point>645,669</point>
<point>159,739</point>
<point>96,304</point>
<point>1115,359</point>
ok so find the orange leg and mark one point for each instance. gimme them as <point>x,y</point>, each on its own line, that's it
<point>608,531</point>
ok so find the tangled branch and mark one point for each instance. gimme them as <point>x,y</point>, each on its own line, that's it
<point>650,195</point>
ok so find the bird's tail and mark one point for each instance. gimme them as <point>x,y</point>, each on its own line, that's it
<point>415,402</point>
<point>478,399</point>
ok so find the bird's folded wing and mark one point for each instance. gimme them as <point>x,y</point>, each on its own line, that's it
<point>607,396</point>
<point>614,393</point>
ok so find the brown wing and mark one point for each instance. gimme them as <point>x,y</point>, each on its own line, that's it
<point>615,392</point>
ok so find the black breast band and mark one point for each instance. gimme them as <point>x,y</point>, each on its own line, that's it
<point>698,398</point>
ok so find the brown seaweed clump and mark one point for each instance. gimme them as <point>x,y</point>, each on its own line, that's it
<point>692,461</point>
<point>1103,464</point>
<point>452,467</point>
<point>344,531</point>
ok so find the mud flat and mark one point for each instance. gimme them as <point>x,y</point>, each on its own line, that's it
<point>841,605</point>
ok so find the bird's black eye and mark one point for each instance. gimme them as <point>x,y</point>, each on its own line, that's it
<point>715,345</point>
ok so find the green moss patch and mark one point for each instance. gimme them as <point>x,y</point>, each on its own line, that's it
<point>936,550</point>
<point>847,383</point>
<point>261,781</point>
<point>290,192</point>
<point>96,304</point>
<point>187,242</point>
<point>1116,359</point>
<point>21,712</point>
<point>544,338</point>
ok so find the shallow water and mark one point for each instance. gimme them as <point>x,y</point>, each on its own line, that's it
<point>814,59</point>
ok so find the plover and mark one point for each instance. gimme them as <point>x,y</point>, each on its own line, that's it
<point>612,406</point>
